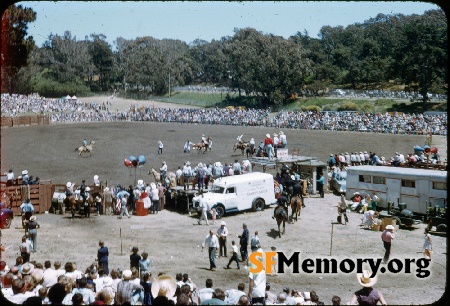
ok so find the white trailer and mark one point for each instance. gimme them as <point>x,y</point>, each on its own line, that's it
<point>239,192</point>
<point>418,188</point>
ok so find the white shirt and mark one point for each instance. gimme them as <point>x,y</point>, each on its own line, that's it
<point>50,277</point>
<point>222,232</point>
<point>211,241</point>
<point>163,168</point>
<point>259,284</point>
<point>205,294</point>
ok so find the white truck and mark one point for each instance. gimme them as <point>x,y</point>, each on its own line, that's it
<point>239,192</point>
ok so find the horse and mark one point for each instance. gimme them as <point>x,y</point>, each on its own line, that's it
<point>296,206</point>
<point>87,149</point>
<point>241,146</point>
<point>73,202</point>
<point>200,145</point>
<point>282,216</point>
<point>250,150</point>
<point>170,175</point>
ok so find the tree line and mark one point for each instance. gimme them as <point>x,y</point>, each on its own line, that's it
<point>272,70</point>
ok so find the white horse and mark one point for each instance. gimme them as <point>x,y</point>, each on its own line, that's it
<point>87,149</point>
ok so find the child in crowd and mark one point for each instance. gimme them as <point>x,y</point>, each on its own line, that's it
<point>213,215</point>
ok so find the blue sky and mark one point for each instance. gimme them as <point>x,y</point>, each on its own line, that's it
<point>190,20</point>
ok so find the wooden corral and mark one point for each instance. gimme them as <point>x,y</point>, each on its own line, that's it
<point>25,120</point>
<point>40,196</point>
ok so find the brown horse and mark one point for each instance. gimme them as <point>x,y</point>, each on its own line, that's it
<point>200,145</point>
<point>240,146</point>
<point>296,206</point>
<point>282,216</point>
<point>73,202</point>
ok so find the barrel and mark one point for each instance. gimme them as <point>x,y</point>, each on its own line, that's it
<point>140,210</point>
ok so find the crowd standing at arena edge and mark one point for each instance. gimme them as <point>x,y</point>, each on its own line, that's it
<point>65,110</point>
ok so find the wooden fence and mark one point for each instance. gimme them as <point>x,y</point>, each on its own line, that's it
<point>25,120</point>
<point>40,196</point>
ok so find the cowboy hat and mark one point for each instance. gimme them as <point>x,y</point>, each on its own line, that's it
<point>188,163</point>
<point>140,182</point>
<point>390,227</point>
<point>25,172</point>
<point>38,275</point>
<point>355,193</point>
<point>27,268</point>
<point>365,280</point>
<point>223,223</point>
<point>268,135</point>
<point>33,218</point>
<point>95,177</point>
<point>126,274</point>
<point>88,188</point>
<point>203,135</point>
<point>68,184</point>
<point>281,133</point>
<point>275,134</point>
<point>164,285</point>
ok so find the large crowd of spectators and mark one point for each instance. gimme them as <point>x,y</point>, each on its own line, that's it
<point>70,110</point>
<point>34,283</point>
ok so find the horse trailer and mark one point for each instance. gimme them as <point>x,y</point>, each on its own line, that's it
<point>418,188</point>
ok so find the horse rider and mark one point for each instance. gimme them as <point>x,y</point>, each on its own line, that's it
<point>163,170</point>
<point>239,138</point>
<point>85,143</point>
<point>204,140</point>
<point>27,210</point>
<point>69,189</point>
<point>282,202</point>
<point>297,190</point>
<point>83,191</point>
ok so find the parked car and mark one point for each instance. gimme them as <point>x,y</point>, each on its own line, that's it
<point>6,216</point>
<point>339,182</point>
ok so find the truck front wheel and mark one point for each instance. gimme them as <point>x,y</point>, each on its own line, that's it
<point>220,211</point>
<point>258,205</point>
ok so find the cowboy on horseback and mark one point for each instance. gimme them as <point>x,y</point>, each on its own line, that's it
<point>297,189</point>
<point>239,139</point>
<point>163,170</point>
<point>69,189</point>
<point>282,202</point>
<point>84,143</point>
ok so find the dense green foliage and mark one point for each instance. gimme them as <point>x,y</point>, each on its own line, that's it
<point>14,46</point>
<point>264,69</point>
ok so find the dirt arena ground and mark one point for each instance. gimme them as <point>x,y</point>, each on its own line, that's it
<point>173,240</point>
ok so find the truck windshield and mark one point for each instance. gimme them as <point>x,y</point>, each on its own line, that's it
<point>217,189</point>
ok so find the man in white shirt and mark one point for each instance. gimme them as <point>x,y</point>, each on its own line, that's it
<point>257,286</point>
<point>222,233</point>
<point>203,206</point>
<point>50,275</point>
<point>212,243</point>
<point>205,293</point>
